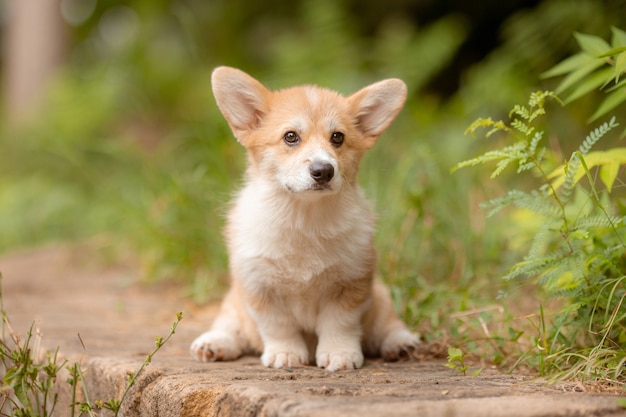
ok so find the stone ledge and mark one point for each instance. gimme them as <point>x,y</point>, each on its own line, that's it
<point>118,322</point>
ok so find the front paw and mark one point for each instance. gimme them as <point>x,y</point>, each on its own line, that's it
<point>215,346</point>
<point>279,358</point>
<point>339,361</point>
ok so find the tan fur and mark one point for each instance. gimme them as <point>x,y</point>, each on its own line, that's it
<point>300,232</point>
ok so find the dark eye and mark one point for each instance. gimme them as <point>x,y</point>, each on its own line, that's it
<point>337,139</point>
<point>291,138</point>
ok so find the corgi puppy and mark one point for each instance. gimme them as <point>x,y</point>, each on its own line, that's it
<point>300,232</point>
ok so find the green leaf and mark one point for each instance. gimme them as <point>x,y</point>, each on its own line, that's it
<point>592,82</point>
<point>619,85</point>
<point>611,155</point>
<point>608,174</point>
<point>454,354</point>
<point>575,76</point>
<point>11,374</point>
<point>567,281</point>
<point>612,52</point>
<point>619,37</point>
<point>568,65</point>
<point>592,159</point>
<point>477,372</point>
<point>613,100</point>
<point>593,45</point>
<point>621,402</point>
<point>620,65</point>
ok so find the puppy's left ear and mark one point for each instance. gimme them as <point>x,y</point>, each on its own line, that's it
<point>376,106</point>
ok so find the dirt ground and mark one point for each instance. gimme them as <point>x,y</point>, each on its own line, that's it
<point>66,293</point>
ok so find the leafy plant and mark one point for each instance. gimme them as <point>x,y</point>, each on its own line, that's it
<point>77,379</point>
<point>456,360</point>
<point>29,375</point>
<point>27,380</point>
<point>577,251</point>
<point>599,65</point>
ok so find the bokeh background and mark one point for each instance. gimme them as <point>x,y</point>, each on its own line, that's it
<point>110,136</point>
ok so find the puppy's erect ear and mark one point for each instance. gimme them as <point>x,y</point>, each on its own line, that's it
<point>376,106</point>
<point>241,99</point>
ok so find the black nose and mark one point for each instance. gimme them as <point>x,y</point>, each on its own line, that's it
<point>321,172</point>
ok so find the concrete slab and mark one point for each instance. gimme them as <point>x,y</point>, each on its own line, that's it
<point>118,320</point>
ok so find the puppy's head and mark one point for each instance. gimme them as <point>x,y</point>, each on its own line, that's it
<point>305,140</point>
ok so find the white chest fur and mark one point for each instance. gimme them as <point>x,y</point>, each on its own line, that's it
<point>282,238</point>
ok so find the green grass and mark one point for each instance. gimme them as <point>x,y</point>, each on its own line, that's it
<point>32,377</point>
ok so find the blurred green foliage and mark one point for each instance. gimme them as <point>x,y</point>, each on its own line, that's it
<point>577,251</point>
<point>132,153</point>
<point>599,65</point>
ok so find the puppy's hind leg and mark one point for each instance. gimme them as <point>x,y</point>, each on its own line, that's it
<point>226,340</point>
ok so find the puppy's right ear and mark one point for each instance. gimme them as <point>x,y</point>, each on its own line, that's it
<point>241,99</point>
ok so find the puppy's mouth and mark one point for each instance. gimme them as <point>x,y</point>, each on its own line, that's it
<point>313,188</point>
<point>321,187</point>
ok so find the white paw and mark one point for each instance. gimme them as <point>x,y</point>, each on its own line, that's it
<point>338,361</point>
<point>279,358</point>
<point>215,346</point>
<point>400,344</point>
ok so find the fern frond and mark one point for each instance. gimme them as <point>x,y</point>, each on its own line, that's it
<point>484,158</point>
<point>534,142</point>
<point>526,166</point>
<point>539,155</point>
<point>599,221</point>
<point>496,126</point>
<point>497,204</point>
<point>538,203</point>
<point>539,112</point>
<point>536,106</point>
<point>535,156</point>
<point>538,98</point>
<point>571,177</point>
<point>501,166</point>
<point>522,127</point>
<point>595,135</point>
<point>536,266</point>
<point>608,256</point>
<point>615,249</point>
<point>564,276</point>
<point>520,111</point>
<point>504,156</point>
<point>599,263</point>
<point>534,201</point>
<point>542,238</point>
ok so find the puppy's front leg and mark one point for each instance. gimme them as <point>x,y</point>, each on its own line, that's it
<point>339,338</point>
<point>283,343</point>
